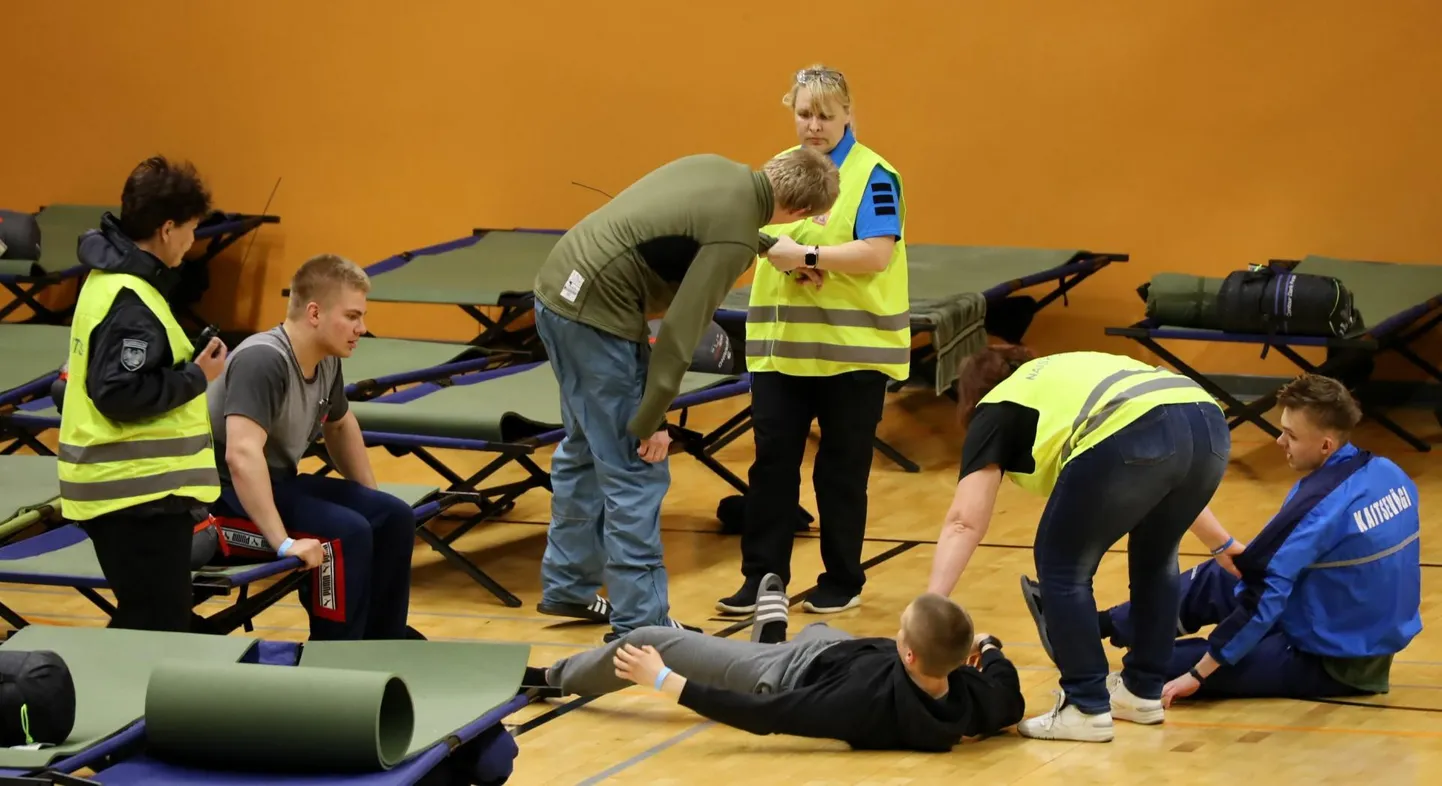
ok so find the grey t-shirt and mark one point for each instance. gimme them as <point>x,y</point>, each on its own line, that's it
<point>262,380</point>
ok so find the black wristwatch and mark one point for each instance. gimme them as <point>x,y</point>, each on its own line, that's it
<point>812,254</point>
<point>989,641</point>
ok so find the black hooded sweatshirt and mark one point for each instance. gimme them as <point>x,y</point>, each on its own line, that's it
<point>858,691</point>
<point>161,382</point>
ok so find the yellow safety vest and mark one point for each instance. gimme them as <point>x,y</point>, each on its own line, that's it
<point>105,465</point>
<point>1081,399</point>
<point>855,321</point>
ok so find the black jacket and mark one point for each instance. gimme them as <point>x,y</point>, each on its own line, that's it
<point>858,691</point>
<point>130,372</point>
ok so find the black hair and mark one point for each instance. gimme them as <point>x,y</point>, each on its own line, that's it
<point>158,191</point>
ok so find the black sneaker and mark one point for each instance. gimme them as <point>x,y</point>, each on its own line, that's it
<point>670,623</point>
<point>773,609</point>
<point>598,611</point>
<point>824,600</point>
<point>534,683</point>
<point>744,601</point>
<point>1031,593</point>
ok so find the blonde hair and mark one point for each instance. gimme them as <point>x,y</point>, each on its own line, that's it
<point>827,87</point>
<point>804,179</point>
<point>318,279</point>
<point>940,632</point>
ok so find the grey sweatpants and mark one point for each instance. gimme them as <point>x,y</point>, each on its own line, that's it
<point>742,666</point>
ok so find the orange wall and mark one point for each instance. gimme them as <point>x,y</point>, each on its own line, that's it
<point>1197,135</point>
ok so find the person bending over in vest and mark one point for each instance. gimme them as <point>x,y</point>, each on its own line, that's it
<point>1120,449</point>
<point>824,352</point>
<point>280,391</point>
<point>1329,591</point>
<point>676,240</point>
<point>136,465</point>
<point>914,692</point>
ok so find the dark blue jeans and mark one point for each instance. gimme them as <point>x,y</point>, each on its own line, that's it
<point>1148,482</point>
<point>1274,668</point>
<point>363,590</point>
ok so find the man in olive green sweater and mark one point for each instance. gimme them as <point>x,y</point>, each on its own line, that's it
<point>677,240</point>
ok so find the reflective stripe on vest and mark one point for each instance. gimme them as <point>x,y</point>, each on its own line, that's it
<point>105,465</point>
<point>1081,398</point>
<point>855,321</point>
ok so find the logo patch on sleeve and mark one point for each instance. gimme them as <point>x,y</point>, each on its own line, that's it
<point>132,353</point>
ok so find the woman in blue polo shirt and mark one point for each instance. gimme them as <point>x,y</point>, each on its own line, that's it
<point>822,343</point>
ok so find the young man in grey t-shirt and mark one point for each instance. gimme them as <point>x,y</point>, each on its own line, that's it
<point>282,390</point>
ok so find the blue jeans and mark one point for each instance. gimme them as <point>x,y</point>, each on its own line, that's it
<point>363,590</point>
<point>1147,482</point>
<point>605,500</point>
<point>1273,669</point>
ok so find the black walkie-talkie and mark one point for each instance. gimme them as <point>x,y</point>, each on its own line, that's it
<point>210,332</point>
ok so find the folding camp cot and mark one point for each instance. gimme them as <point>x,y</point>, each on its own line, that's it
<point>954,288</point>
<point>32,356</point>
<point>1397,303</point>
<point>490,269</point>
<point>511,412</point>
<point>64,557</point>
<point>60,229</point>
<point>162,709</point>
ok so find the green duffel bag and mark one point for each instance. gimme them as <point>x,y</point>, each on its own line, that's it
<point>1181,300</point>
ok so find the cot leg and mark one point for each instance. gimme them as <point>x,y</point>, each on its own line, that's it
<point>26,297</point>
<point>95,597</point>
<point>245,610</point>
<point>460,561</point>
<point>8,614</point>
<point>1235,411</point>
<point>895,455</point>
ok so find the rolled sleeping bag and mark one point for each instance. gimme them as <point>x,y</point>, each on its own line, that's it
<point>265,718</point>
<point>1181,300</point>
<point>713,353</point>
<point>19,235</point>
<point>37,698</point>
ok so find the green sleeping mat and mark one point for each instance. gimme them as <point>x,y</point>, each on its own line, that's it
<point>31,352</point>
<point>1181,300</point>
<point>60,228</point>
<point>936,273</point>
<point>348,707</point>
<point>78,560</point>
<point>111,669</point>
<point>382,357</point>
<point>501,264</point>
<point>508,408</point>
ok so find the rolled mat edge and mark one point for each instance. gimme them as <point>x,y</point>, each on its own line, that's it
<point>265,718</point>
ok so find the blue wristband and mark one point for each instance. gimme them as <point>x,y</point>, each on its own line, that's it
<point>661,676</point>
<point>1218,550</point>
<point>284,547</point>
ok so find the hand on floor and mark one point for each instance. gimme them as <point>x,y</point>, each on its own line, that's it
<point>1179,688</point>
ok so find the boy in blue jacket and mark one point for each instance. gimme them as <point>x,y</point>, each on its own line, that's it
<point>1329,591</point>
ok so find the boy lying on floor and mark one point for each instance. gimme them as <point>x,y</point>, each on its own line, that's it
<point>918,691</point>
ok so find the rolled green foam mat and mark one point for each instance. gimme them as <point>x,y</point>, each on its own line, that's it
<point>281,718</point>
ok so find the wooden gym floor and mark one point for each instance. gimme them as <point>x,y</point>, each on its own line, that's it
<point>638,737</point>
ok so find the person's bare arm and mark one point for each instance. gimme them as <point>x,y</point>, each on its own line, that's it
<point>245,458</point>
<point>966,523</point>
<point>1223,547</point>
<point>347,450</point>
<point>871,255</point>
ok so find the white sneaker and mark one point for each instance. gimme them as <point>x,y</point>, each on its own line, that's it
<point>1067,723</point>
<point>1128,706</point>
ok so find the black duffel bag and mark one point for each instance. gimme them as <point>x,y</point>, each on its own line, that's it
<point>1270,300</point>
<point>19,236</point>
<point>37,698</point>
